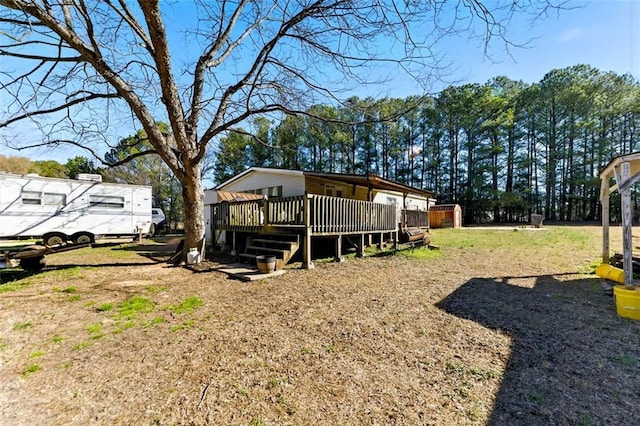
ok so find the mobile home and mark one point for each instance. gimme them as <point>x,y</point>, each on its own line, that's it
<point>298,209</point>
<point>76,210</point>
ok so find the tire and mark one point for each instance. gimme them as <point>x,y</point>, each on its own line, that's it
<point>32,264</point>
<point>54,239</point>
<point>83,238</point>
<point>152,230</point>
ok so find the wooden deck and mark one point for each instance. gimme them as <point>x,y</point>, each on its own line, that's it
<point>315,216</point>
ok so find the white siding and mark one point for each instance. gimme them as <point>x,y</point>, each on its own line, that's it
<point>292,183</point>
<point>413,202</point>
<point>76,210</point>
<point>210,196</point>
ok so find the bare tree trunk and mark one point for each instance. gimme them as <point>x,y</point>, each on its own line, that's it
<point>193,193</point>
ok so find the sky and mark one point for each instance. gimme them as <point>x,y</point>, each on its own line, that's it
<point>601,33</point>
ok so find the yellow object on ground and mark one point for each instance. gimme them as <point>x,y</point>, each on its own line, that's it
<point>627,301</point>
<point>610,272</point>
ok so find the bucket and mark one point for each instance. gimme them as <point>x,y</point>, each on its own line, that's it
<point>627,301</point>
<point>266,264</point>
<point>610,273</point>
<point>193,256</point>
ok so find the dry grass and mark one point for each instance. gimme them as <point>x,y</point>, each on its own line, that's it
<point>500,327</point>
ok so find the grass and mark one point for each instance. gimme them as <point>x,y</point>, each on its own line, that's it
<point>105,307</point>
<point>122,326</point>
<point>120,252</point>
<point>184,326</point>
<point>31,369</point>
<point>95,330</point>
<point>22,325</point>
<point>154,321</point>
<point>19,284</point>
<point>481,239</point>
<point>73,273</point>
<point>314,323</point>
<point>484,374</point>
<point>420,253</point>
<point>81,345</point>
<point>135,305</point>
<point>455,367</point>
<point>189,305</point>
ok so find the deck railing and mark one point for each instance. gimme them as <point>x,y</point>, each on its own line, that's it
<point>333,215</point>
<point>320,215</point>
<point>414,219</point>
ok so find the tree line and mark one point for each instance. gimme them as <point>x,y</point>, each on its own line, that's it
<point>503,150</point>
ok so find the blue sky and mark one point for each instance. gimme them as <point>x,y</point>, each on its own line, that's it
<point>600,33</point>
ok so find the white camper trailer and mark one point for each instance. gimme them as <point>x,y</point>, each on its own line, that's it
<point>62,210</point>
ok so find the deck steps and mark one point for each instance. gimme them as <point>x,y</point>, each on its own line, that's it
<point>282,246</point>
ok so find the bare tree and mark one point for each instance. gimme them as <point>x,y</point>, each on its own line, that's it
<point>80,67</point>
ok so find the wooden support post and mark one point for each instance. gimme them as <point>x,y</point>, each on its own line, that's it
<point>360,252</point>
<point>233,243</point>
<point>306,245</point>
<point>381,242</point>
<point>339,257</point>
<point>605,228</point>
<point>627,243</point>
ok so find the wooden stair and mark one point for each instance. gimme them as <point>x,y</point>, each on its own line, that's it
<point>282,246</point>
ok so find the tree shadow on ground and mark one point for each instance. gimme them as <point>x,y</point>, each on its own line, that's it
<point>10,275</point>
<point>573,360</point>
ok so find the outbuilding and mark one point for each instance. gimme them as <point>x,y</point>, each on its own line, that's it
<point>445,216</point>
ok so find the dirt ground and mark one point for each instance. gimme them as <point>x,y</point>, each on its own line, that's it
<point>477,335</point>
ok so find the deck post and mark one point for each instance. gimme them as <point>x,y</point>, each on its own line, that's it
<point>306,245</point>
<point>627,243</point>
<point>339,257</point>
<point>360,252</point>
<point>233,243</point>
<point>605,228</point>
<point>381,242</point>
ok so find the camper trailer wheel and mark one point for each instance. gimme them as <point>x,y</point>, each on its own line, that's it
<point>54,239</point>
<point>152,230</point>
<point>83,238</point>
<point>35,263</point>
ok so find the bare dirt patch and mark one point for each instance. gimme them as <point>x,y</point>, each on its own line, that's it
<point>499,329</point>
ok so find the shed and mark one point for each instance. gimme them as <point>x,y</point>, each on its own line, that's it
<point>445,216</point>
<point>620,175</point>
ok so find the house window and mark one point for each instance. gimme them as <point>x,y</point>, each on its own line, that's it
<point>333,191</point>
<point>270,191</point>
<point>106,201</point>
<point>275,191</point>
<point>32,198</point>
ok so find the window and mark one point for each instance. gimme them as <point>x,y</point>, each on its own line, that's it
<point>33,198</point>
<point>275,191</point>
<point>270,191</point>
<point>106,201</point>
<point>51,199</point>
<point>37,198</point>
<point>333,191</point>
